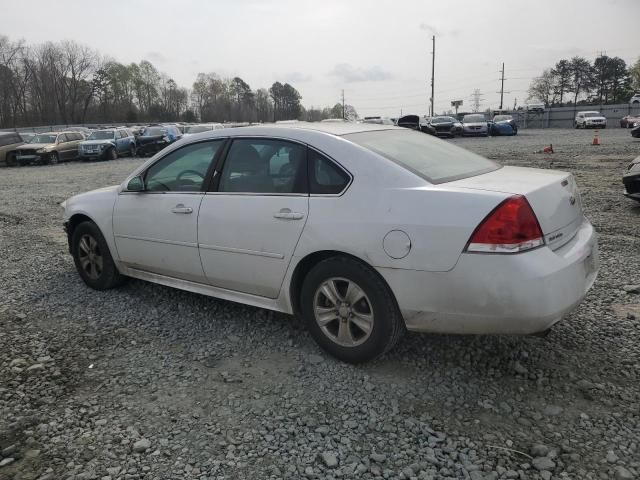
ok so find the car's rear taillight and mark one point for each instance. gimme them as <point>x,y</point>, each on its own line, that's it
<point>511,227</point>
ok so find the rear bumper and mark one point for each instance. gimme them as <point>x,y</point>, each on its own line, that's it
<point>499,294</point>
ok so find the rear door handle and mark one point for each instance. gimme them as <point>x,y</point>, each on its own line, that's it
<point>180,208</point>
<point>287,214</point>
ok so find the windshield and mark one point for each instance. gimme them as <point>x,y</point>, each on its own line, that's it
<point>473,118</point>
<point>502,118</point>
<point>592,114</point>
<point>151,131</point>
<point>101,135</point>
<point>442,120</point>
<point>198,128</point>
<point>432,159</point>
<point>43,139</point>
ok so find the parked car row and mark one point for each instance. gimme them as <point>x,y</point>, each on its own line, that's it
<point>475,124</point>
<point>103,143</point>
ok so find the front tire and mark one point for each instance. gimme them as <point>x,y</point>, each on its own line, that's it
<point>349,310</point>
<point>53,158</point>
<point>112,154</point>
<point>92,258</point>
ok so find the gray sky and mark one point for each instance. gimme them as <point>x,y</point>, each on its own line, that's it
<point>377,51</point>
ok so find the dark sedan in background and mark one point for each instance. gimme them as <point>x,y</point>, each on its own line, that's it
<point>155,137</point>
<point>631,180</point>
<point>444,127</point>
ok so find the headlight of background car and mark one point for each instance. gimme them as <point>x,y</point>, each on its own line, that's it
<point>102,146</point>
<point>42,150</point>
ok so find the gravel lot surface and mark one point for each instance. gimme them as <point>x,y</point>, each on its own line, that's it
<point>149,382</point>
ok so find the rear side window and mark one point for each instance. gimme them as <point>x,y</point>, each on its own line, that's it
<point>264,166</point>
<point>9,140</point>
<point>430,158</point>
<point>325,177</point>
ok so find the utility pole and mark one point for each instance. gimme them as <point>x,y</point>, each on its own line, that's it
<point>502,86</point>
<point>433,68</point>
<point>343,117</point>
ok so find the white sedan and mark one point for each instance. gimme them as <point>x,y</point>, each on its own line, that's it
<point>364,230</point>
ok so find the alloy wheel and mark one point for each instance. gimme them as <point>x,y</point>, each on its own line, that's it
<point>343,312</point>
<point>90,256</point>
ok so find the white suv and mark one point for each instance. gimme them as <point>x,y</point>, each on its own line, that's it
<point>590,120</point>
<point>635,99</point>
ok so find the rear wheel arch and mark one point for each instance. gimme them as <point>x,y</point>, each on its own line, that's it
<point>305,265</point>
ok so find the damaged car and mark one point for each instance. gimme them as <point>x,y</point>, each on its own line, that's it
<point>503,125</point>
<point>107,145</point>
<point>155,137</point>
<point>631,180</point>
<point>445,127</point>
<point>49,148</point>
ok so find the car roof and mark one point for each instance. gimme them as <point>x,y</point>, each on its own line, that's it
<point>332,128</point>
<point>295,131</point>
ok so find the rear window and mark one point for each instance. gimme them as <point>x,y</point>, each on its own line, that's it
<point>430,158</point>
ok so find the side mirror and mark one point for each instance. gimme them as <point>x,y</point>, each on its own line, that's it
<point>136,184</point>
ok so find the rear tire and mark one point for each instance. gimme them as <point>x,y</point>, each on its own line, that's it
<point>92,258</point>
<point>361,322</point>
<point>10,159</point>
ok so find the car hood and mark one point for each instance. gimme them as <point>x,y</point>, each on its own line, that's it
<point>86,197</point>
<point>96,142</point>
<point>35,146</point>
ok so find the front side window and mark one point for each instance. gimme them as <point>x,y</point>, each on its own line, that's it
<point>183,170</point>
<point>62,138</point>
<point>264,166</point>
<point>325,177</point>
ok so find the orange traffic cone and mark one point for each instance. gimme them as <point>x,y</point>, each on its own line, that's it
<point>596,139</point>
<point>548,149</point>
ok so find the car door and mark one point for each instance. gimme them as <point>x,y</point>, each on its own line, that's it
<point>74,142</point>
<point>63,147</point>
<point>123,141</point>
<point>156,230</point>
<point>249,226</point>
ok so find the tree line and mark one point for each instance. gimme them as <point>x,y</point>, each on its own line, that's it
<point>577,81</point>
<point>69,83</point>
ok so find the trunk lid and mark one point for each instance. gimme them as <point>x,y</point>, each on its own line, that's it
<point>553,195</point>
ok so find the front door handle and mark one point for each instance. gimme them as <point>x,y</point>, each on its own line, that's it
<point>180,208</point>
<point>287,214</point>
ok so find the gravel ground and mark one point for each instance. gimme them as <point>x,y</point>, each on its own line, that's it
<point>150,382</point>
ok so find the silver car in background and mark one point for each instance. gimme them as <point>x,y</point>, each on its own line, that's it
<point>475,124</point>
